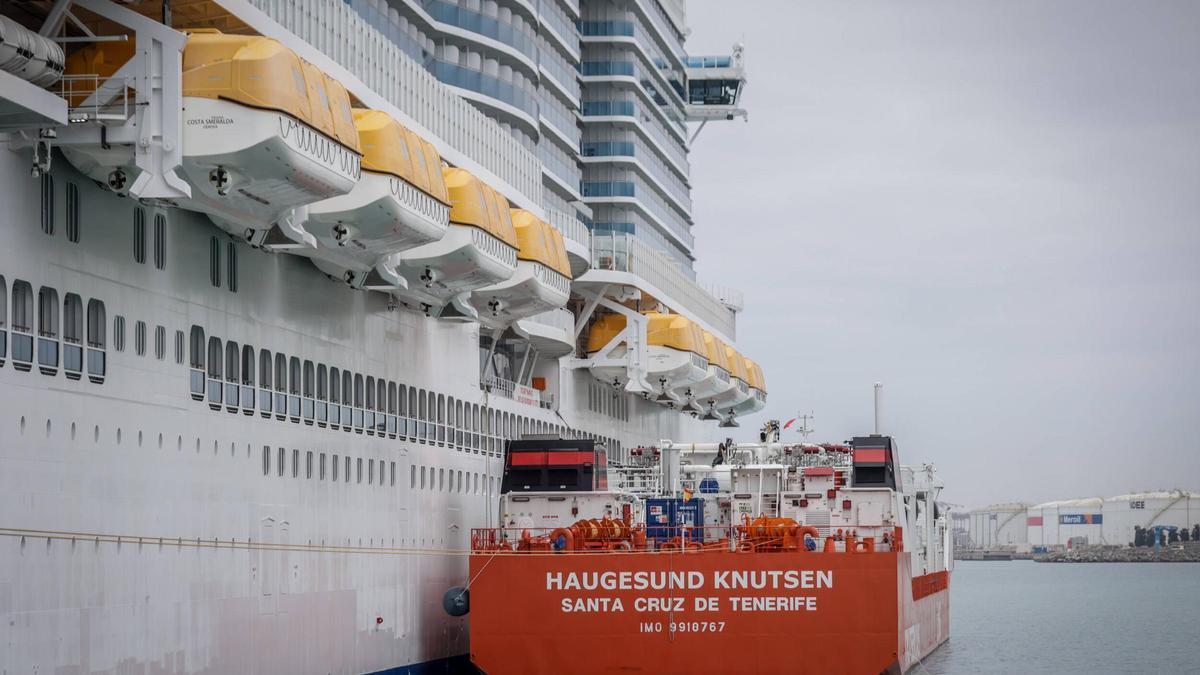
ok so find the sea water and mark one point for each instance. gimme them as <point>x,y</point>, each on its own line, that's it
<point>1070,618</point>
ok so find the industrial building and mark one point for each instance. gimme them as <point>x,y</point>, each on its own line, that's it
<point>1177,508</point>
<point>998,526</point>
<point>1054,524</point>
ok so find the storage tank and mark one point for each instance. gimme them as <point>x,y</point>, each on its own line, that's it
<point>998,526</point>
<point>1079,518</point>
<point>1035,520</point>
<point>1122,513</point>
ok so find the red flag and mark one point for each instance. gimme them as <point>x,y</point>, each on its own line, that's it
<point>789,423</point>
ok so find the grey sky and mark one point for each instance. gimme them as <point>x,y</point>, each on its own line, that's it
<point>991,207</point>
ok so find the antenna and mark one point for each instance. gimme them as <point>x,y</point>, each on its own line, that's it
<point>804,430</point>
<point>878,395</point>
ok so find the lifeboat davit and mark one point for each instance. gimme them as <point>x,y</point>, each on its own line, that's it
<point>727,404</point>
<point>541,283</point>
<point>674,349</point>
<point>702,395</point>
<point>479,249</point>
<point>400,202</point>
<point>264,132</point>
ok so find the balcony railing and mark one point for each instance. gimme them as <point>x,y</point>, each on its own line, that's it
<point>519,393</point>
<point>480,23</point>
<point>624,253</point>
<point>570,226</point>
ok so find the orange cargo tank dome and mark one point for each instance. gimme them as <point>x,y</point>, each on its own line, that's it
<point>260,72</point>
<point>737,364</point>
<point>539,242</point>
<point>755,373</point>
<point>389,148</point>
<point>476,205</point>
<point>716,352</point>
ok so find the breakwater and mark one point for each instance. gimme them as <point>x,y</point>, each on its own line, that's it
<point>1097,554</point>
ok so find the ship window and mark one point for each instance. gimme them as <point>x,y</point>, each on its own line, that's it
<point>160,240</point>
<point>280,373</point>
<point>178,346</point>
<point>335,468</point>
<point>197,347</point>
<point>294,376</point>
<point>72,319</point>
<point>96,325</point>
<point>248,366</point>
<point>48,203</point>
<point>370,470</point>
<point>309,377</point>
<point>358,390</point>
<point>72,212</point>
<point>214,262</point>
<point>266,460</point>
<point>322,466</point>
<point>232,361</point>
<point>346,473</point>
<point>139,338</point>
<point>441,480</point>
<point>402,399</point>
<point>393,403</point>
<point>282,461</point>
<point>322,383</point>
<point>3,319</point>
<point>214,357</point>
<point>139,235</point>
<point>412,401</point>
<point>160,343</point>
<point>422,478</point>
<point>421,410</point>
<point>295,463</point>
<point>47,312</point>
<point>308,465</point>
<point>232,270</point>
<point>347,389</point>
<point>264,368</point>
<point>412,475</point>
<point>441,408</point>
<point>334,386</point>
<point>119,333</point>
<point>392,470</point>
<point>370,401</point>
<point>381,395</point>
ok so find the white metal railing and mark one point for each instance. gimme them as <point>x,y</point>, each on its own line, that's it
<point>570,226</point>
<point>732,297</point>
<point>508,389</point>
<point>343,35</point>
<point>624,253</point>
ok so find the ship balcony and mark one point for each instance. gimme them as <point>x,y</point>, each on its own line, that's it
<point>551,334</point>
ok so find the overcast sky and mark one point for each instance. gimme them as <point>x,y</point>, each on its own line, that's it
<point>991,207</point>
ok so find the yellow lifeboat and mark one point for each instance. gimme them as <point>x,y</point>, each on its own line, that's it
<point>757,386</point>
<point>400,202</point>
<point>675,354</point>
<point>727,405</point>
<point>542,281</point>
<point>264,132</point>
<point>479,249</point>
<point>702,396</point>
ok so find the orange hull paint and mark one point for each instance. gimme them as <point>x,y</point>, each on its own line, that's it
<point>856,614</point>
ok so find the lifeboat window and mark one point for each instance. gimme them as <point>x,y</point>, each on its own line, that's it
<point>139,338</point>
<point>179,346</point>
<point>214,262</point>
<point>335,468</point>
<point>119,333</point>
<point>160,241</point>
<point>139,235</point>
<point>47,204</point>
<point>160,343</point>
<point>248,366</point>
<point>280,373</point>
<point>231,267</point>
<point>72,212</point>
<point>322,383</point>
<point>334,386</point>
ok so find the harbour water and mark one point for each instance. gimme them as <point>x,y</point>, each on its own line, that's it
<point>1026,617</point>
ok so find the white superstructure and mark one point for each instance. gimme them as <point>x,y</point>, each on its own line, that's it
<point>250,407</point>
